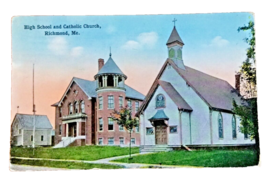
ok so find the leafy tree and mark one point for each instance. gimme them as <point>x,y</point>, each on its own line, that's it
<point>248,112</point>
<point>124,118</point>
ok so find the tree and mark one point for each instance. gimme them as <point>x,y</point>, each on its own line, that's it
<point>124,118</point>
<point>248,112</point>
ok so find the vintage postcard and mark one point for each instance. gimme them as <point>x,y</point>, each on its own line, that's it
<point>134,91</point>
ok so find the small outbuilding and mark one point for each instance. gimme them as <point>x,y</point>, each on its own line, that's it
<point>22,130</point>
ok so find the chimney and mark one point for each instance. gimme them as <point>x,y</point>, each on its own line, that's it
<point>100,63</point>
<point>237,82</point>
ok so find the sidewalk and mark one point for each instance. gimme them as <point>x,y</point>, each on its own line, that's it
<point>107,161</point>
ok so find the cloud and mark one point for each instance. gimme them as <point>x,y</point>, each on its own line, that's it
<point>76,51</point>
<point>149,39</point>
<point>58,46</point>
<point>218,41</point>
<point>111,29</point>
<point>131,45</point>
<point>143,40</point>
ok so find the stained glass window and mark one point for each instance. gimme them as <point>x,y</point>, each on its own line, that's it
<point>220,123</point>
<point>234,127</point>
<point>179,54</point>
<point>160,101</point>
<point>171,53</point>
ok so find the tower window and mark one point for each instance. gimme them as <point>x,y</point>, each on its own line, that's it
<point>171,53</point>
<point>100,102</point>
<point>110,102</point>
<point>120,101</point>
<point>179,54</point>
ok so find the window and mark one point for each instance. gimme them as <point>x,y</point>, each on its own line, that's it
<point>100,102</point>
<point>110,124</point>
<point>42,137</point>
<point>173,129</point>
<point>220,125</point>
<point>149,131</point>
<point>110,102</point>
<point>110,141</point>
<point>137,129</point>
<point>60,112</point>
<point>82,107</point>
<point>70,108</point>
<point>120,101</point>
<point>234,127</point>
<point>129,104</point>
<point>133,141</point>
<point>171,53</point>
<point>60,129</point>
<point>100,141</point>
<point>76,107</point>
<point>121,141</point>
<point>136,106</point>
<point>121,128</point>
<point>31,138</point>
<point>160,101</point>
<point>179,54</point>
<point>100,124</point>
<point>19,131</point>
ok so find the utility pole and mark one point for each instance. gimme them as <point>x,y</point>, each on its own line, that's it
<point>33,105</point>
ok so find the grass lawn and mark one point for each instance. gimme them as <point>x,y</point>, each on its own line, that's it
<point>201,158</point>
<point>73,153</point>
<point>63,164</point>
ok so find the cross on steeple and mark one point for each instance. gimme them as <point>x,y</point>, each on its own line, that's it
<point>110,51</point>
<point>174,21</point>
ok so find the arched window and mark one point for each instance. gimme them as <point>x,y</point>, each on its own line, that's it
<point>220,125</point>
<point>171,53</point>
<point>160,101</point>
<point>82,107</point>
<point>234,127</point>
<point>76,107</point>
<point>70,108</point>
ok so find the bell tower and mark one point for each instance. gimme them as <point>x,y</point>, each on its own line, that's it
<point>175,48</point>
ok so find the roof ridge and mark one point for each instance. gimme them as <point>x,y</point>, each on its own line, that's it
<point>30,114</point>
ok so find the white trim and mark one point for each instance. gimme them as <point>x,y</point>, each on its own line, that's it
<point>115,89</point>
<point>73,121</point>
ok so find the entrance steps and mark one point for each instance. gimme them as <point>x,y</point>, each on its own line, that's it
<point>155,148</point>
<point>65,142</point>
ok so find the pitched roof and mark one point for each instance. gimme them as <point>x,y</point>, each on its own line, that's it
<point>26,121</point>
<point>110,67</point>
<point>217,93</point>
<point>174,95</point>
<point>160,115</point>
<point>174,37</point>
<point>89,88</point>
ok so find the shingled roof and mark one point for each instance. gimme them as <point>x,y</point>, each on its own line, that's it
<point>110,67</point>
<point>217,93</point>
<point>89,88</point>
<point>174,37</point>
<point>174,95</point>
<point>26,121</point>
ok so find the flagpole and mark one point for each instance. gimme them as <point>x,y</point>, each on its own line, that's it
<point>33,105</point>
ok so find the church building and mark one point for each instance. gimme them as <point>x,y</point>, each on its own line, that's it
<point>188,108</point>
<point>82,116</point>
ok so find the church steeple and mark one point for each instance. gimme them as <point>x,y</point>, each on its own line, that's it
<point>175,45</point>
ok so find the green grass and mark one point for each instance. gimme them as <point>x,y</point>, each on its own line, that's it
<point>200,158</point>
<point>63,164</point>
<point>72,153</point>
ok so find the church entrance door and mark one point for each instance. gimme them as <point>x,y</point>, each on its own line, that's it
<point>160,133</point>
